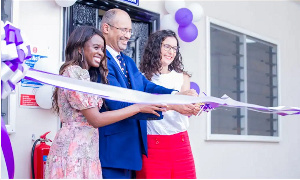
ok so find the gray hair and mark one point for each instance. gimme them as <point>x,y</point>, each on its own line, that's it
<point>108,17</point>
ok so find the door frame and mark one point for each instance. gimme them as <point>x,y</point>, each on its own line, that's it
<point>136,14</point>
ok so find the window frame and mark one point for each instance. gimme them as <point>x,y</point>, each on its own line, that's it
<point>227,137</point>
<point>12,112</point>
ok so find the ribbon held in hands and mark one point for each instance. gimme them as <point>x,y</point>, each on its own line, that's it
<point>203,107</point>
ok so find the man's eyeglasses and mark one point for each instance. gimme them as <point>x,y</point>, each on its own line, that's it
<point>168,47</point>
<point>123,30</point>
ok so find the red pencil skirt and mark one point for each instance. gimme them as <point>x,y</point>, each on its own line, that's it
<point>169,157</point>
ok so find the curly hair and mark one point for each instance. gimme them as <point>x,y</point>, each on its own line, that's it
<point>151,60</point>
<point>76,41</point>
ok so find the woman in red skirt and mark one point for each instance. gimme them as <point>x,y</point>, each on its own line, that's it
<point>169,151</point>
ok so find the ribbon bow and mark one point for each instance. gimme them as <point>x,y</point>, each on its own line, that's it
<point>13,53</point>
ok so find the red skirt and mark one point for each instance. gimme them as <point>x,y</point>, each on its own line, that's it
<point>169,157</point>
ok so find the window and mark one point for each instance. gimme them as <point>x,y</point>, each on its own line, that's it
<point>244,67</point>
<point>6,10</point>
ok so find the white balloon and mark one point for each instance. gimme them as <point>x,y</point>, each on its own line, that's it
<point>168,22</point>
<point>43,96</point>
<point>65,3</point>
<point>173,6</point>
<point>45,64</point>
<point>197,11</point>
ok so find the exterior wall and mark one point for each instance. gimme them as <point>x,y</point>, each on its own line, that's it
<point>278,20</point>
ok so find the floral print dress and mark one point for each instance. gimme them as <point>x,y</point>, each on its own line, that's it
<point>74,152</point>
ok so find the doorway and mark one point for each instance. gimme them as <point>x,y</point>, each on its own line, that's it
<point>90,12</point>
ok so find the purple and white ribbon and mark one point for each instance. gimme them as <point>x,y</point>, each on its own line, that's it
<point>13,53</point>
<point>133,96</point>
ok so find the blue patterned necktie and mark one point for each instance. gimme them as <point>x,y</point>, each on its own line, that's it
<point>123,67</point>
<point>122,64</point>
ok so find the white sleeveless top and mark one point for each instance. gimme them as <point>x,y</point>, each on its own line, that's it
<point>173,122</point>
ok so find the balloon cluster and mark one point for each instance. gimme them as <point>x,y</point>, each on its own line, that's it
<point>180,19</point>
<point>14,51</point>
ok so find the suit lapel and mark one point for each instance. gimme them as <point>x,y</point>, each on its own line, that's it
<point>110,58</point>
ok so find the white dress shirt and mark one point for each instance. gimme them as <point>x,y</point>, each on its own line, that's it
<point>114,54</point>
<point>173,122</point>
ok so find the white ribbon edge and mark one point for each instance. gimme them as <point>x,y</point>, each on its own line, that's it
<point>134,96</point>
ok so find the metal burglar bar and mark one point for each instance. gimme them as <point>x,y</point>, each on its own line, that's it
<point>273,85</point>
<point>244,68</point>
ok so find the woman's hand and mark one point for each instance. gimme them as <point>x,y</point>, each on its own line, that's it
<point>197,110</point>
<point>151,108</point>
<point>185,109</point>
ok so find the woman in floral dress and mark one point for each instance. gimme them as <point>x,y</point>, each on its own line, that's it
<point>75,150</point>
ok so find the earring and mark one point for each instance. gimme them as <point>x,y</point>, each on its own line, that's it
<point>82,55</point>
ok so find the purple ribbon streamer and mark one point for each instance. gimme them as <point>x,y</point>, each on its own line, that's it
<point>208,106</point>
<point>7,151</point>
<point>21,56</point>
<point>11,65</point>
<point>11,85</point>
<point>29,52</point>
<point>12,35</point>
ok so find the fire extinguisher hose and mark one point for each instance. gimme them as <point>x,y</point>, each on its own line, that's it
<point>32,157</point>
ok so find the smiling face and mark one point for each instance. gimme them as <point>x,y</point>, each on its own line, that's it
<point>167,51</point>
<point>94,51</point>
<point>115,37</point>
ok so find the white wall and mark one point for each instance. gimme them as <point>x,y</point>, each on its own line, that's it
<point>41,23</point>
<point>277,20</point>
<point>41,20</point>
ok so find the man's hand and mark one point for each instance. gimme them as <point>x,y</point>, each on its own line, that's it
<point>190,92</point>
<point>185,109</point>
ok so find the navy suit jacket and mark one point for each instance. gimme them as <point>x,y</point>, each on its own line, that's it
<point>122,143</point>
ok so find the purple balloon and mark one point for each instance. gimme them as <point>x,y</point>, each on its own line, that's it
<point>195,86</point>
<point>183,16</point>
<point>188,33</point>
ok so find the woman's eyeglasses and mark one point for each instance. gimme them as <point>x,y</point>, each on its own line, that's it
<point>168,47</point>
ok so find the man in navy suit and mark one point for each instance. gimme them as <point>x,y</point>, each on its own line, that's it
<point>123,143</point>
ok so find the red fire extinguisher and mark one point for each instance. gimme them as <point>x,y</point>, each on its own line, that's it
<point>39,155</point>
